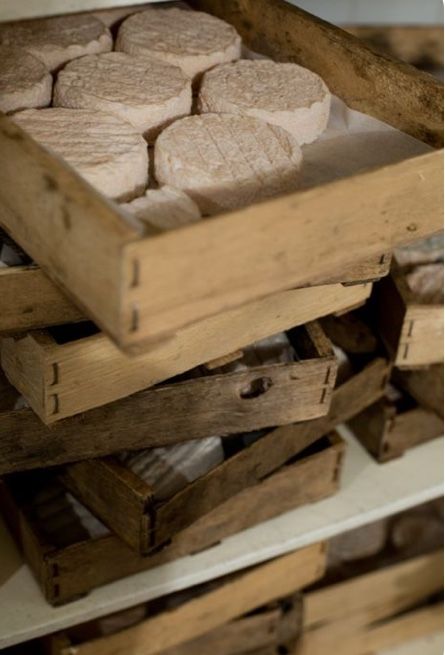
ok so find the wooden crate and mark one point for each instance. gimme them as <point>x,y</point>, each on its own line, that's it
<point>81,562</point>
<point>387,429</point>
<point>277,625</point>
<point>62,379</point>
<point>375,611</point>
<point>26,443</point>
<point>108,268</point>
<point>30,300</point>
<point>411,329</point>
<point>425,385</point>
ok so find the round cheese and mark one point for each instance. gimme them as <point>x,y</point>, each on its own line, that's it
<point>57,40</point>
<point>193,40</point>
<point>163,209</point>
<point>287,95</point>
<point>226,161</point>
<point>24,81</point>
<point>105,150</point>
<point>146,92</point>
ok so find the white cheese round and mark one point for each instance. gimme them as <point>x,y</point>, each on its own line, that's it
<point>225,161</point>
<point>193,40</point>
<point>163,209</point>
<point>105,150</point>
<point>24,81</point>
<point>286,95</point>
<point>146,92</point>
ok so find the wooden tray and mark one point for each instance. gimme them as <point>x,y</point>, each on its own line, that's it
<point>275,626</point>
<point>62,379</point>
<point>30,300</point>
<point>138,289</point>
<point>66,571</point>
<point>388,430</point>
<point>375,611</point>
<point>412,329</point>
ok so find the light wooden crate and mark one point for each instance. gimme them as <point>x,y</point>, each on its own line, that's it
<point>79,563</point>
<point>375,611</point>
<point>62,379</point>
<point>411,328</point>
<point>274,627</point>
<point>139,289</point>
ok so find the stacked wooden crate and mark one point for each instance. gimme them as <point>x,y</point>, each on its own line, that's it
<point>119,344</point>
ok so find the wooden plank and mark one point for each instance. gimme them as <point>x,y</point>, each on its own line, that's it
<point>424,385</point>
<point>68,572</point>
<point>9,10</point>
<point>29,300</point>
<point>396,204</point>
<point>368,81</point>
<point>71,376</point>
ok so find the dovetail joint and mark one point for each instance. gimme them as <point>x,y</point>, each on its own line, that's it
<point>56,407</point>
<point>134,324</point>
<point>136,274</point>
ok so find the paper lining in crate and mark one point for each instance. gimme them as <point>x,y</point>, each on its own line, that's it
<point>410,305</point>
<point>139,288</point>
<point>70,552</point>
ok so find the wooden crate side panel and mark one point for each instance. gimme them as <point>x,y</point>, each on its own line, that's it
<point>87,233</point>
<point>396,204</point>
<point>119,497</point>
<point>106,559</point>
<point>92,371</point>
<point>29,300</point>
<point>421,338</point>
<point>410,429</point>
<point>239,595</point>
<point>372,427</point>
<point>366,80</point>
<point>425,386</point>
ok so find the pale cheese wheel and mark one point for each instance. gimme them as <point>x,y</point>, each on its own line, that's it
<point>225,161</point>
<point>193,40</point>
<point>59,39</point>
<point>146,92</point>
<point>163,209</point>
<point>286,95</point>
<point>25,82</point>
<point>105,150</point>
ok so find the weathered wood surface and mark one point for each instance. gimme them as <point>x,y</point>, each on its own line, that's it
<point>361,615</point>
<point>126,505</point>
<point>29,300</point>
<point>60,380</point>
<point>424,385</point>
<point>413,331</point>
<point>66,573</point>
<point>366,80</point>
<point>276,625</point>
<point>388,433</point>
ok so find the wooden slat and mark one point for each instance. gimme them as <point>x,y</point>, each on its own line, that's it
<point>396,204</point>
<point>91,372</point>
<point>368,81</point>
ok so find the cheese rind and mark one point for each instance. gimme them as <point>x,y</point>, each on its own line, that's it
<point>192,40</point>
<point>163,209</point>
<point>286,95</point>
<point>25,82</point>
<point>146,92</point>
<point>57,40</point>
<point>225,161</point>
<point>105,150</point>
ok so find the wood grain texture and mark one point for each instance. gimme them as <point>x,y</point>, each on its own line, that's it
<point>366,80</point>
<point>396,204</point>
<point>90,372</point>
<point>387,433</point>
<point>30,300</point>
<point>66,573</point>
<point>424,385</point>
<point>412,331</point>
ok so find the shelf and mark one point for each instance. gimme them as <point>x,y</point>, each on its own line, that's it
<point>430,645</point>
<point>369,492</point>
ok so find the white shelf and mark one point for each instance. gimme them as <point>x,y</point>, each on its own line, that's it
<point>369,491</point>
<point>429,645</point>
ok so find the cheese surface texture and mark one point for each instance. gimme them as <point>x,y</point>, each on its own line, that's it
<point>103,149</point>
<point>25,82</point>
<point>226,161</point>
<point>286,95</point>
<point>146,92</point>
<point>163,209</point>
<point>57,40</point>
<point>192,40</point>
